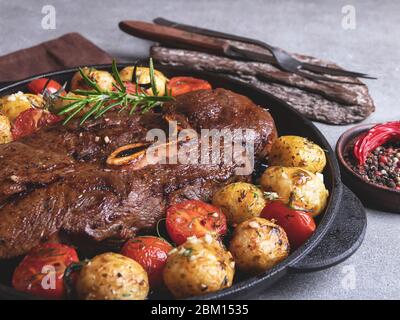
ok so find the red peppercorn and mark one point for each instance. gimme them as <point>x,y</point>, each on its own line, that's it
<point>383,160</point>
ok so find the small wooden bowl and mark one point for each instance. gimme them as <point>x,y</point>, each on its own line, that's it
<point>372,195</point>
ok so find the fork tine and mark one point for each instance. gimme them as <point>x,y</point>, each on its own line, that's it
<point>255,56</point>
<point>261,57</point>
<point>333,71</point>
<point>315,77</point>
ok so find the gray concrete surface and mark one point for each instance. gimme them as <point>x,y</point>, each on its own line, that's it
<point>311,27</point>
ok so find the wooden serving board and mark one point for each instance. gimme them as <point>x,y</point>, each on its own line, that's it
<point>328,102</point>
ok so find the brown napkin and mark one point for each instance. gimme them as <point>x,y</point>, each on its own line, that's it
<point>70,50</point>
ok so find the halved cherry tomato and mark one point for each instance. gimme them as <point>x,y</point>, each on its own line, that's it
<point>151,253</point>
<point>130,87</point>
<point>41,272</point>
<point>299,225</point>
<point>32,120</point>
<point>181,85</point>
<point>38,85</point>
<point>194,218</point>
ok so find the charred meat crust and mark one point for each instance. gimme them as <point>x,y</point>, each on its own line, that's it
<point>56,182</point>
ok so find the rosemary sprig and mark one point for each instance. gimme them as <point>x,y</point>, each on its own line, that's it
<point>101,102</point>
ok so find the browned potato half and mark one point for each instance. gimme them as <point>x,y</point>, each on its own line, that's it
<point>59,104</point>
<point>294,151</point>
<point>5,129</point>
<point>198,266</point>
<point>239,201</point>
<point>112,276</point>
<point>143,77</point>
<point>103,79</point>
<point>258,245</point>
<point>303,189</point>
<point>14,104</point>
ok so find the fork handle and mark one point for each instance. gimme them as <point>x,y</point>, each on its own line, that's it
<point>173,36</point>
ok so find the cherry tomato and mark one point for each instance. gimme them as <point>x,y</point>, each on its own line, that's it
<point>31,120</point>
<point>151,253</point>
<point>194,218</point>
<point>131,87</point>
<point>41,272</point>
<point>38,85</point>
<point>181,85</point>
<point>299,225</point>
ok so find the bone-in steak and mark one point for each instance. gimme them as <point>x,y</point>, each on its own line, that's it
<point>56,184</point>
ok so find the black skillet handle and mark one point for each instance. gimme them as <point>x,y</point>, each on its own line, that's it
<point>342,239</point>
<point>4,84</point>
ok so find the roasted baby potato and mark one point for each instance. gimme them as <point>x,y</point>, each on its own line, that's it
<point>112,276</point>
<point>294,151</point>
<point>198,266</point>
<point>258,245</point>
<point>143,77</point>
<point>14,104</point>
<point>5,130</point>
<point>239,201</point>
<point>299,188</point>
<point>102,78</point>
<point>62,103</point>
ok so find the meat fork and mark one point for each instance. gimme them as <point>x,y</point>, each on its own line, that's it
<point>285,61</point>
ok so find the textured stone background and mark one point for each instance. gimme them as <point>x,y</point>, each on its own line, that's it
<point>310,27</point>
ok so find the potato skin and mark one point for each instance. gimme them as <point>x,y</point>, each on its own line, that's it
<point>258,244</point>
<point>143,76</point>
<point>59,104</point>
<point>112,276</point>
<point>62,103</point>
<point>239,201</point>
<point>295,151</point>
<point>303,189</point>
<point>198,266</point>
<point>104,79</point>
<point>5,130</point>
<point>12,105</point>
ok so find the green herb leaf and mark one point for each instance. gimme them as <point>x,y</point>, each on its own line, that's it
<point>117,77</point>
<point>104,110</point>
<point>152,78</point>
<point>93,110</point>
<point>73,114</point>
<point>88,81</point>
<point>104,101</point>
<point>187,252</point>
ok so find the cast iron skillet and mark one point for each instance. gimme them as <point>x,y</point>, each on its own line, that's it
<point>341,227</point>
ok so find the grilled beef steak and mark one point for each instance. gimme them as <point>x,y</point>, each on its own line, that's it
<point>56,183</point>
